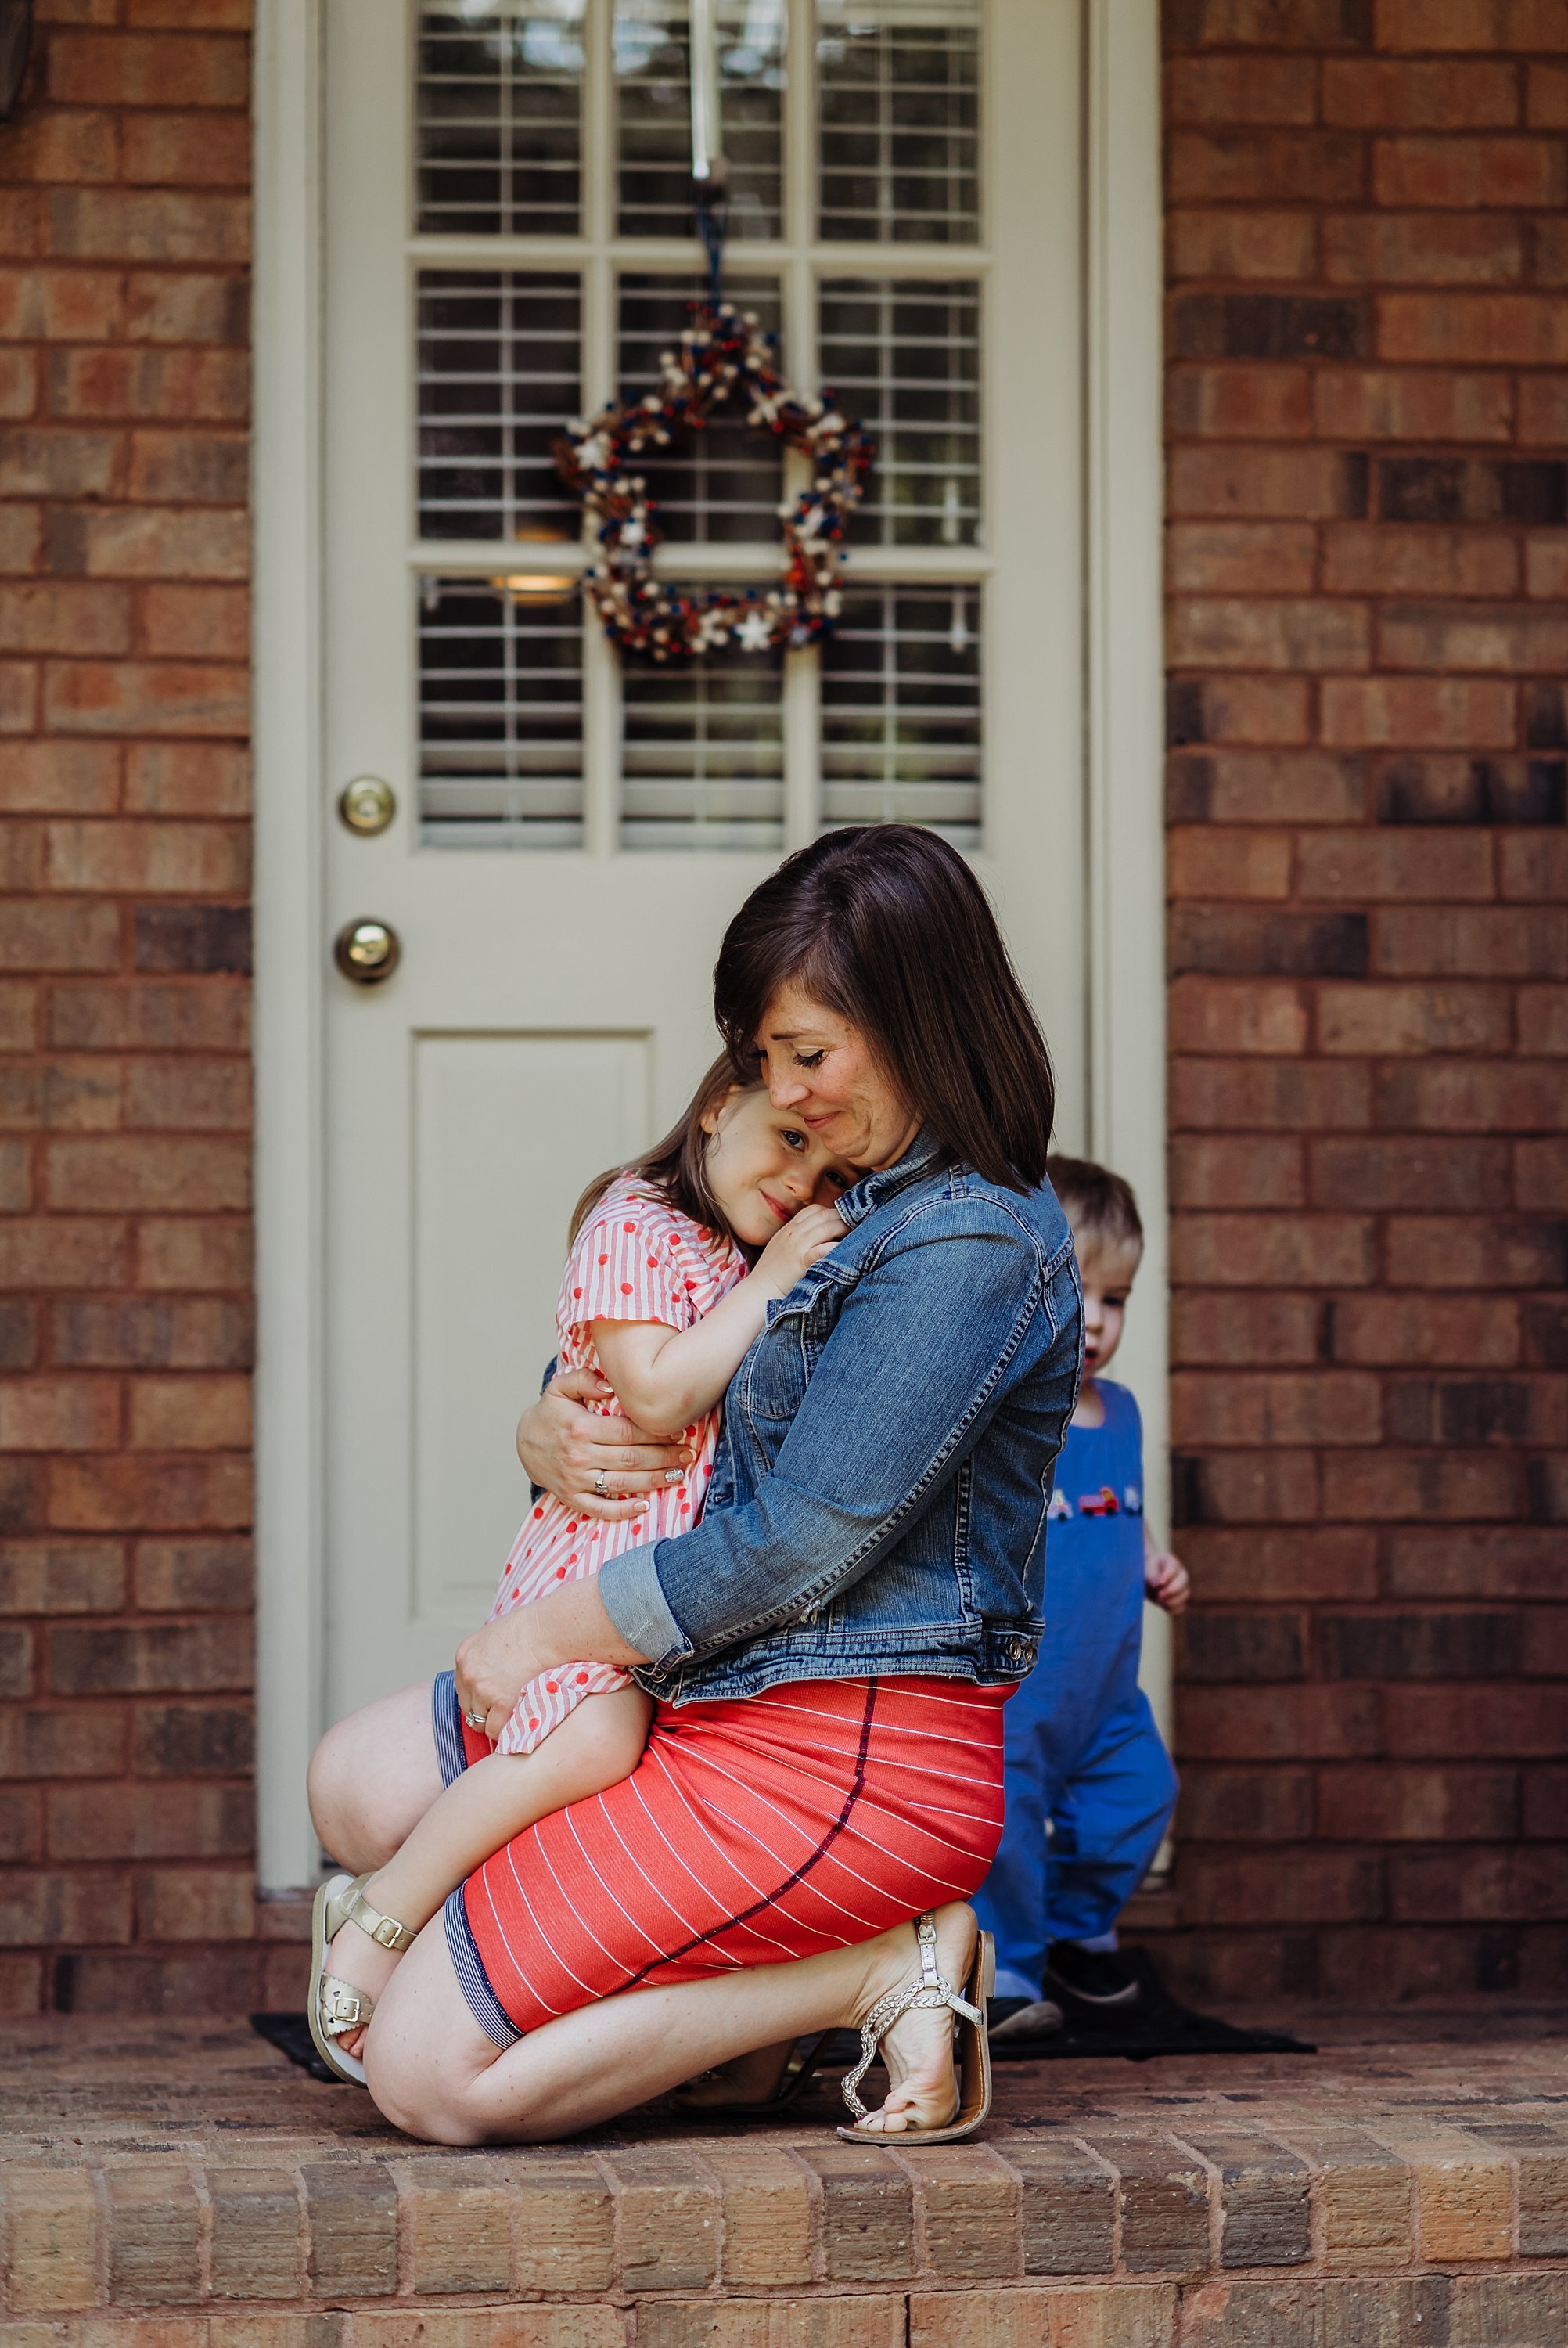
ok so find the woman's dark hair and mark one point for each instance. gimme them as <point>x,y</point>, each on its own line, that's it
<point>887,925</point>
<point>677,1167</point>
<point>1097,1203</point>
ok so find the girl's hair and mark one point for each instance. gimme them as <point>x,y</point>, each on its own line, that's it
<point>677,1167</point>
<point>1097,1203</point>
<point>887,925</point>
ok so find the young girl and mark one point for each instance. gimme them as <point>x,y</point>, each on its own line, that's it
<point>658,1298</point>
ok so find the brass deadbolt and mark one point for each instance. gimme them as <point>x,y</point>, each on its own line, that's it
<point>367,805</point>
<point>367,952</point>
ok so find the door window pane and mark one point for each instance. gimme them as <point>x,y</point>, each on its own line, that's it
<point>500,715</point>
<point>898,88</point>
<point>901,711</point>
<point>702,753</point>
<point>499,375</point>
<point>722,485</point>
<point>904,355</point>
<point>652,80</point>
<point>498,103</point>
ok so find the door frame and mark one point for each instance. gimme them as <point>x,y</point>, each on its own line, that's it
<point>1123,1119</point>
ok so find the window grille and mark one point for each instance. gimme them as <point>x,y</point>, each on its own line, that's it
<point>721,486</point>
<point>905,356</point>
<point>885,722</point>
<point>703,753</point>
<point>652,65</point>
<point>498,106</point>
<point>500,374</point>
<point>899,85</point>
<point>901,711</point>
<point>501,697</point>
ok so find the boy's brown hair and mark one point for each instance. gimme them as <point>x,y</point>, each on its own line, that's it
<point>1097,1203</point>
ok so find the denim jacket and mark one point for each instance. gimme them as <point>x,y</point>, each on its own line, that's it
<point>879,1497</point>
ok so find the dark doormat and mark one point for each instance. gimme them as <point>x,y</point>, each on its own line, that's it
<point>1156,2024</point>
<point>290,2035</point>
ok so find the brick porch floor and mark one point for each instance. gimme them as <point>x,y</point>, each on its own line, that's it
<point>165,2188</point>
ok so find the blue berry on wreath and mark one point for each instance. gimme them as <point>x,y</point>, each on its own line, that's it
<point>722,360</point>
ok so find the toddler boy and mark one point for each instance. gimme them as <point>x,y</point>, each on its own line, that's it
<point>1082,1750</point>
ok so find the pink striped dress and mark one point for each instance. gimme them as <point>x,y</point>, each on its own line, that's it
<point>637,1258</point>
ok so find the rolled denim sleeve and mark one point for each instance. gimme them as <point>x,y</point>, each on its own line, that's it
<point>635,1602</point>
<point>921,1353</point>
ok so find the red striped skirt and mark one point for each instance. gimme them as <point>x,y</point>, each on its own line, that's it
<point>812,1817</point>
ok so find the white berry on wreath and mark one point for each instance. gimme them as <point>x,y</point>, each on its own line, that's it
<point>720,350</point>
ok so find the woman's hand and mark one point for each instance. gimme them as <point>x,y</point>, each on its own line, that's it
<point>493,1667</point>
<point>565,1448</point>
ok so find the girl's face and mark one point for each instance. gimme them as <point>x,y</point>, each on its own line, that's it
<point>821,1069</point>
<point>764,1166</point>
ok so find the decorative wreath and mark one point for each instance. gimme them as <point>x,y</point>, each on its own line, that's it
<point>723,360</point>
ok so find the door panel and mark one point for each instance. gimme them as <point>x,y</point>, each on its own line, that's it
<point>493,1189</point>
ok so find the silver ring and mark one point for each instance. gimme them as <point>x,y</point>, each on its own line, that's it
<point>674,1475</point>
<point>475,1719</point>
<point>598,1484</point>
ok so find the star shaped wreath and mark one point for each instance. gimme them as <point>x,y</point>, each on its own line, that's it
<point>723,359</point>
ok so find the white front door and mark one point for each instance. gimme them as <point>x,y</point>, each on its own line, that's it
<point>509,243</point>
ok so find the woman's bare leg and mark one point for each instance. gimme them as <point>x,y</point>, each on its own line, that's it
<point>595,1745</point>
<point>435,2074</point>
<point>373,1777</point>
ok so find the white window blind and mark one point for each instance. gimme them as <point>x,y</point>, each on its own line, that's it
<point>904,354</point>
<point>702,755</point>
<point>652,82</point>
<point>498,115</point>
<point>898,87</point>
<point>901,712</point>
<point>499,363</point>
<point>501,701</point>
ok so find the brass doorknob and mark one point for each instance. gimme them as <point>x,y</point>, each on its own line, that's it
<point>367,805</point>
<point>366,952</point>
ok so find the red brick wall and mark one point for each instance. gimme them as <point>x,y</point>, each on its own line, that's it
<point>1368,337</point>
<point>126,1822</point>
<point>1368,402</point>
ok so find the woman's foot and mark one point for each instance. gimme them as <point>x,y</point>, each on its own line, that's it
<point>922,2091</point>
<point>355,1957</point>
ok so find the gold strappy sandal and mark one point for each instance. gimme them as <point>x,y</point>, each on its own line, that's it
<point>336,2006</point>
<point>973,2093</point>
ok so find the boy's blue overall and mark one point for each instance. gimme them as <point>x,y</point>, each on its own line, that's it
<point>1082,1749</point>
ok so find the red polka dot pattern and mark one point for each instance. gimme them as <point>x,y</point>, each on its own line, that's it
<point>636,1260</point>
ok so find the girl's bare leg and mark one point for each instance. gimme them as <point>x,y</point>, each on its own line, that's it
<point>373,1777</point>
<point>595,1745</point>
<point>435,2074</point>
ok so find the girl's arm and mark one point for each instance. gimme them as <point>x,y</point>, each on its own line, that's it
<point>666,1377</point>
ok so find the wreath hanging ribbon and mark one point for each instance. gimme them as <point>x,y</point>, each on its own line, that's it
<point>723,360</point>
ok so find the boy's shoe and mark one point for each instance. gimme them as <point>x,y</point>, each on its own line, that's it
<point>1099,1977</point>
<point>1010,2018</point>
